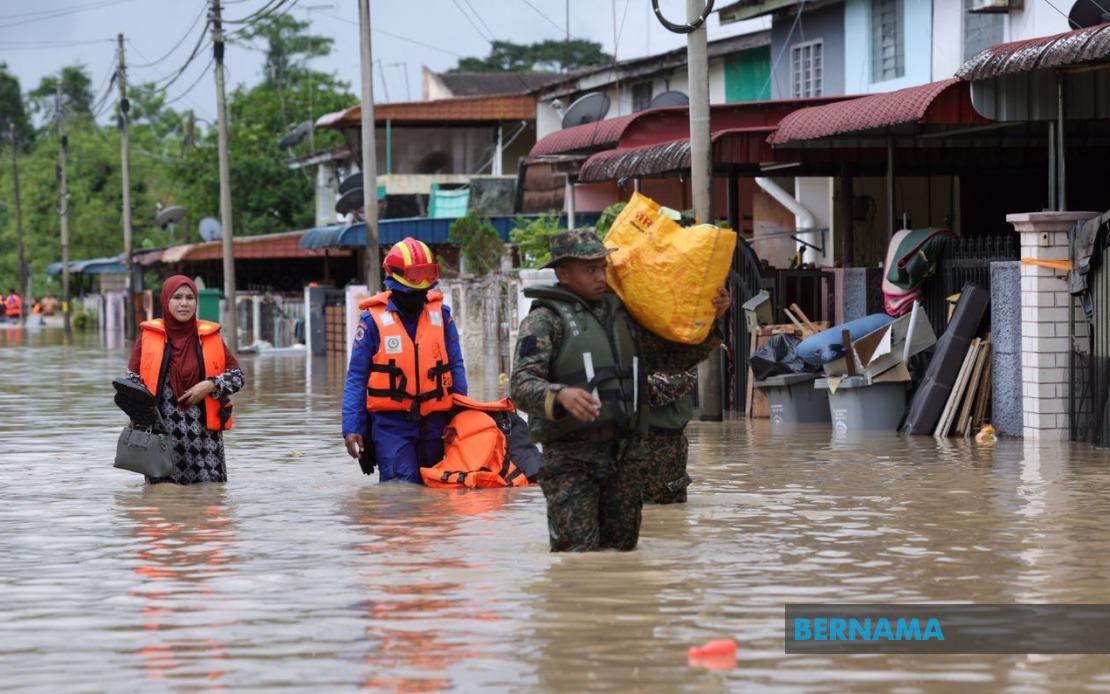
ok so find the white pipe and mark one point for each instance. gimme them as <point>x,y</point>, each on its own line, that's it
<point>803,218</point>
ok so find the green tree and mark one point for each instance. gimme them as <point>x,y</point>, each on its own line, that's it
<point>533,238</point>
<point>76,92</point>
<point>481,244</point>
<point>608,216</point>
<point>546,56</point>
<point>288,47</point>
<point>12,108</point>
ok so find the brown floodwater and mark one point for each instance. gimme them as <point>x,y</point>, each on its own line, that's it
<point>300,572</point>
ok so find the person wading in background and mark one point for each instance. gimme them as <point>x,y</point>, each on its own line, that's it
<point>187,366</point>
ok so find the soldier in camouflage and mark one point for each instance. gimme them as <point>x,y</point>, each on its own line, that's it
<point>581,377</point>
<point>664,449</point>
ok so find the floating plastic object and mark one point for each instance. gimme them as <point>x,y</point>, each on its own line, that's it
<point>987,434</point>
<point>715,655</point>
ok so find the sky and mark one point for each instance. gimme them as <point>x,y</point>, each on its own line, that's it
<point>39,37</point>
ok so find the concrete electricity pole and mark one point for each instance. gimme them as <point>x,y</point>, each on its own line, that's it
<point>231,323</point>
<point>63,209</point>
<point>125,168</point>
<point>369,156</point>
<point>701,183</point>
<point>24,279</point>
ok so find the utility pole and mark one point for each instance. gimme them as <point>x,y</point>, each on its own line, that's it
<point>231,331</point>
<point>63,209</point>
<point>24,279</point>
<point>369,156</point>
<point>701,183</point>
<point>125,167</point>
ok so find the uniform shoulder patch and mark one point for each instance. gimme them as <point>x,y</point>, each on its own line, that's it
<point>528,346</point>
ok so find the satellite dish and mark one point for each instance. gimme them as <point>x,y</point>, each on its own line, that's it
<point>586,109</point>
<point>351,182</point>
<point>350,201</point>
<point>671,98</point>
<point>1087,14</point>
<point>210,229</point>
<point>296,135</point>
<point>170,215</point>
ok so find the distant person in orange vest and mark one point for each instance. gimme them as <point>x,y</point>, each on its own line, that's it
<point>406,362</point>
<point>187,366</point>
<point>13,306</point>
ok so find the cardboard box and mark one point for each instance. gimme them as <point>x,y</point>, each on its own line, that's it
<point>881,350</point>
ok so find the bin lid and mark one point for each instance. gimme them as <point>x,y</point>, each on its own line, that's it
<point>784,380</point>
<point>856,382</point>
<point>210,292</point>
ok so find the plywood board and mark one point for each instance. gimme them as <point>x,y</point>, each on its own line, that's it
<point>947,415</point>
<point>972,389</point>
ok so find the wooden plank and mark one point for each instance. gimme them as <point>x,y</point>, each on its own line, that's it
<point>849,357</point>
<point>751,388</point>
<point>965,381</point>
<point>985,391</point>
<point>805,319</point>
<point>972,389</point>
<point>945,423</point>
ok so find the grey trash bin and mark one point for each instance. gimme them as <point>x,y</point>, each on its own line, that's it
<point>860,405</point>
<point>793,400</point>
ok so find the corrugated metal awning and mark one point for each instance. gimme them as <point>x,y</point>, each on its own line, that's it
<point>947,102</point>
<point>1087,46</point>
<point>734,146</point>
<point>92,266</point>
<point>603,133</point>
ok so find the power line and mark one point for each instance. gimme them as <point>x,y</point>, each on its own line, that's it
<point>180,41</point>
<point>471,22</point>
<point>185,93</point>
<point>37,45</point>
<point>265,12</point>
<point>480,19</point>
<point>1070,22</point>
<point>399,37</point>
<point>55,14</point>
<point>540,13</point>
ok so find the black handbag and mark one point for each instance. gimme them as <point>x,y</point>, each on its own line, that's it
<point>144,446</point>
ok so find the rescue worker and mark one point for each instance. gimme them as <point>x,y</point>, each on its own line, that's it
<point>405,365</point>
<point>664,448</point>
<point>13,306</point>
<point>580,375</point>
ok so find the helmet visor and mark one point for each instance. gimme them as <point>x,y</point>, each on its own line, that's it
<point>418,274</point>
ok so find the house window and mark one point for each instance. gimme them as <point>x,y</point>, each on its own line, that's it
<point>641,96</point>
<point>982,30</point>
<point>888,40</point>
<point>807,69</point>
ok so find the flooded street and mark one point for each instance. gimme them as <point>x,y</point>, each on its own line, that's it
<point>301,572</point>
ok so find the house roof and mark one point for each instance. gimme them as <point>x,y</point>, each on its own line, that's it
<point>603,133</point>
<point>731,146</point>
<point>1088,46</point>
<point>440,111</point>
<point>944,102</point>
<point>487,83</point>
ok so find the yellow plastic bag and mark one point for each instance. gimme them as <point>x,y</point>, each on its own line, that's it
<point>667,275</point>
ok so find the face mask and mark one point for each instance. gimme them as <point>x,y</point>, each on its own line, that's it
<point>409,303</point>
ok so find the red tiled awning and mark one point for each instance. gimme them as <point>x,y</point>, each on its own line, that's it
<point>946,102</point>
<point>733,146</point>
<point>603,133</point>
<point>459,109</point>
<point>1087,46</point>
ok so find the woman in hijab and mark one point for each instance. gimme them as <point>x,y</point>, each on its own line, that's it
<point>191,372</point>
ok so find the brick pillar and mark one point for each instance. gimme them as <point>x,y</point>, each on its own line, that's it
<point>1044,322</point>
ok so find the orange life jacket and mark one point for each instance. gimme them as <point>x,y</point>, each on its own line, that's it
<point>475,450</point>
<point>408,377</point>
<point>12,306</point>
<point>153,362</point>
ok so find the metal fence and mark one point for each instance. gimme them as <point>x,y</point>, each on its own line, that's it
<point>965,260</point>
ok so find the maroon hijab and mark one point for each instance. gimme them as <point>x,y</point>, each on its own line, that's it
<point>181,336</point>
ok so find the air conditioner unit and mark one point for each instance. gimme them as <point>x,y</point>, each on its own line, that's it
<point>993,6</point>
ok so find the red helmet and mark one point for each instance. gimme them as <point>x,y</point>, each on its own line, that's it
<point>411,263</point>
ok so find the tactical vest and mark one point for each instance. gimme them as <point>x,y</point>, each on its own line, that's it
<point>613,353</point>
<point>154,359</point>
<point>674,416</point>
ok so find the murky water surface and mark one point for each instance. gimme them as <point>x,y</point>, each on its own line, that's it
<point>303,573</point>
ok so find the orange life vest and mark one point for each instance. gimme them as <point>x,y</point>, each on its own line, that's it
<point>153,361</point>
<point>475,450</point>
<point>408,377</point>
<point>12,306</point>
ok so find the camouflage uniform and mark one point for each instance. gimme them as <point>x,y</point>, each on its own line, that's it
<point>591,482</point>
<point>664,451</point>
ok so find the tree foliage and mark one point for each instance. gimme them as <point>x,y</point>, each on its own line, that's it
<point>77,96</point>
<point>545,56</point>
<point>533,238</point>
<point>288,47</point>
<point>481,244</point>
<point>12,108</point>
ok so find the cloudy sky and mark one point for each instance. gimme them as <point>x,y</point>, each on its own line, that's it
<point>39,37</point>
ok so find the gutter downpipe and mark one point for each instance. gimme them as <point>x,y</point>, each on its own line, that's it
<point>803,218</point>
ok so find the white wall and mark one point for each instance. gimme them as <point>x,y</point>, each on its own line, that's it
<point>948,44</point>
<point>816,195</point>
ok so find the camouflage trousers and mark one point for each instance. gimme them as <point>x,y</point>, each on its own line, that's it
<point>593,496</point>
<point>664,465</point>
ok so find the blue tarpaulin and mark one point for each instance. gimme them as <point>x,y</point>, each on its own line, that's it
<point>93,266</point>
<point>390,231</point>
